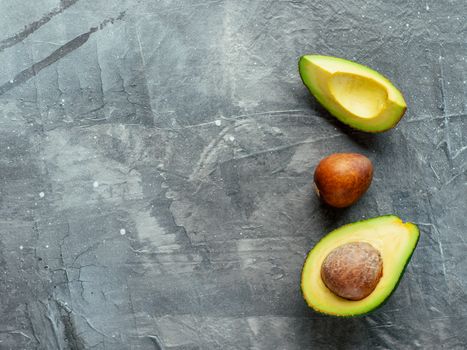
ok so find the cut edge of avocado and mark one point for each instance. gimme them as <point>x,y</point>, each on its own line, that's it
<point>357,95</point>
<point>370,303</point>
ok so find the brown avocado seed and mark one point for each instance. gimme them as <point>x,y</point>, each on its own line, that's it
<point>342,178</point>
<point>353,270</point>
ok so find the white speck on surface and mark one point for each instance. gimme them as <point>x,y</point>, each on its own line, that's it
<point>63,100</point>
<point>276,130</point>
<point>41,194</point>
<point>21,247</point>
<point>427,7</point>
<point>407,25</point>
<point>46,245</point>
<point>12,81</point>
<point>122,231</point>
<point>95,184</point>
<point>231,138</point>
<point>218,122</point>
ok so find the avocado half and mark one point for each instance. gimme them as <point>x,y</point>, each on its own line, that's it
<point>395,241</point>
<point>355,94</point>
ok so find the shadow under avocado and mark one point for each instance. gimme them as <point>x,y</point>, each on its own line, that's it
<point>329,332</point>
<point>330,215</point>
<point>366,140</point>
<point>362,139</point>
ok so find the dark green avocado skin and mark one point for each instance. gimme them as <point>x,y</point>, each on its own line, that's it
<point>385,300</point>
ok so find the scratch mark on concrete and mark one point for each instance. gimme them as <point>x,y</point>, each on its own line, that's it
<point>209,153</point>
<point>434,171</point>
<point>58,54</point>
<point>438,117</point>
<point>156,341</point>
<point>140,47</point>
<point>459,152</point>
<point>291,145</point>
<point>33,26</point>
<point>443,107</point>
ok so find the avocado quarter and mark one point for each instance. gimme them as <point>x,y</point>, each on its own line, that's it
<point>395,241</point>
<point>355,94</point>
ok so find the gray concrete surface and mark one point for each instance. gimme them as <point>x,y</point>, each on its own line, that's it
<point>156,160</point>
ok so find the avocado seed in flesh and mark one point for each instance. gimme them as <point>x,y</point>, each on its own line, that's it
<point>352,270</point>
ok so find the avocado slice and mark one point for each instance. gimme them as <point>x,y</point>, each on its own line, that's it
<point>394,240</point>
<point>356,95</point>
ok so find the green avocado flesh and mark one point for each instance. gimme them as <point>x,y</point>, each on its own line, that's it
<point>394,240</point>
<point>356,95</point>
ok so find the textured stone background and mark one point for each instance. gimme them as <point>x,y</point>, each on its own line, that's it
<point>156,160</point>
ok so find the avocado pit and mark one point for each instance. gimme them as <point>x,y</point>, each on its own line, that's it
<point>352,270</point>
<point>342,178</point>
